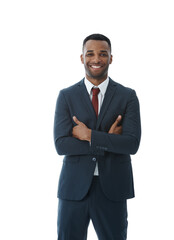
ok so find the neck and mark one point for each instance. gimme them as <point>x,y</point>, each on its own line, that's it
<point>95,81</point>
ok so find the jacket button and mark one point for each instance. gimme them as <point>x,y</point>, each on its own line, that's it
<point>94,159</point>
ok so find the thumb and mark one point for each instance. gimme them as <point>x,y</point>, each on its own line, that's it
<point>76,120</point>
<point>117,120</point>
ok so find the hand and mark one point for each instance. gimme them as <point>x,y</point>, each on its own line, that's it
<point>81,131</point>
<point>115,129</point>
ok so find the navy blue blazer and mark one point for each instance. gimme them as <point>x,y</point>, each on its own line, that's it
<point>111,151</point>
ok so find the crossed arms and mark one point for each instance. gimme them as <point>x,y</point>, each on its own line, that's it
<point>70,140</point>
<point>82,132</point>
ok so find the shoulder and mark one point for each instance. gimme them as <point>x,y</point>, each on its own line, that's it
<point>72,89</point>
<point>121,88</point>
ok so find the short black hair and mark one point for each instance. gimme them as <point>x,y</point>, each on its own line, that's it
<point>97,36</point>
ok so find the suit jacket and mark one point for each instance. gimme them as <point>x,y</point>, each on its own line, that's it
<point>111,151</point>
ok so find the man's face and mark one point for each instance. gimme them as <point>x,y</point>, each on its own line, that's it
<point>96,58</point>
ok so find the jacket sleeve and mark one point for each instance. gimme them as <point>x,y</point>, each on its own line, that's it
<point>128,141</point>
<point>64,142</point>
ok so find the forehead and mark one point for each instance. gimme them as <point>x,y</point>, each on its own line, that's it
<point>96,45</point>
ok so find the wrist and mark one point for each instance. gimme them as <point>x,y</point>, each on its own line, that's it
<point>88,138</point>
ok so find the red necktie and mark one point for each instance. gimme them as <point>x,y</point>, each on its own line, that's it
<point>95,92</point>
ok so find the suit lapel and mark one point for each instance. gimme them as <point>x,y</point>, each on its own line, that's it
<point>107,100</point>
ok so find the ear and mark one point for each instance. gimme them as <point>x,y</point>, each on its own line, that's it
<point>82,59</point>
<point>110,59</point>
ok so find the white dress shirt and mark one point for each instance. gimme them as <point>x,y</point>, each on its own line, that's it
<point>103,86</point>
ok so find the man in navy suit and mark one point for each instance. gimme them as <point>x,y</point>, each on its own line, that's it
<point>96,128</point>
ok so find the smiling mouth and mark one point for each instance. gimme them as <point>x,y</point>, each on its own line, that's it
<point>95,67</point>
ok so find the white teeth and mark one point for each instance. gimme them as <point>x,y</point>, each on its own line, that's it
<point>96,66</point>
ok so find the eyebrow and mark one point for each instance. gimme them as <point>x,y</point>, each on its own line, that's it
<point>93,51</point>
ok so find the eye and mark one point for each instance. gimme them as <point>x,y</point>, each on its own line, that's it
<point>89,54</point>
<point>103,55</point>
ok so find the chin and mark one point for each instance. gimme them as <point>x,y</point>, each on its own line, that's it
<point>98,77</point>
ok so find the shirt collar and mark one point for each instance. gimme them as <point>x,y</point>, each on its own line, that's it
<point>102,86</point>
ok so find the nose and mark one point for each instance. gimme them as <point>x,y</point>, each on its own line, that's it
<point>96,59</point>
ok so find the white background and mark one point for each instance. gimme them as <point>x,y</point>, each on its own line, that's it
<point>40,45</point>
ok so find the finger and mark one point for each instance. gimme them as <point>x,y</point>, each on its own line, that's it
<point>76,120</point>
<point>117,121</point>
<point>74,130</point>
<point>118,130</point>
<point>119,118</point>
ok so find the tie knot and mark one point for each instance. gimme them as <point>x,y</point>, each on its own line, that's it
<point>95,91</point>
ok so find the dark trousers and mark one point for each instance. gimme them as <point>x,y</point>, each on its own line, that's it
<point>108,217</point>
